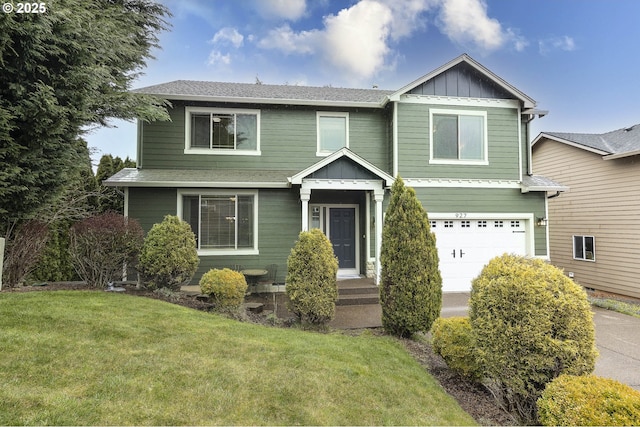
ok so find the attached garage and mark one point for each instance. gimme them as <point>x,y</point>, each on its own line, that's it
<point>465,245</point>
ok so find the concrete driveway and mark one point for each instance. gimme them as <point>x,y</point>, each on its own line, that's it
<point>617,339</point>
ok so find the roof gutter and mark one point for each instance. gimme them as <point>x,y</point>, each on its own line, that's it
<point>271,101</point>
<point>621,155</point>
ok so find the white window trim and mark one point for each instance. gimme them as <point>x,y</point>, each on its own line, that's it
<point>239,192</point>
<point>319,151</point>
<point>573,247</point>
<point>218,151</point>
<point>485,148</point>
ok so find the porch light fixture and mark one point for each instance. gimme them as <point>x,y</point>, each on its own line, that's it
<point>541,222</point>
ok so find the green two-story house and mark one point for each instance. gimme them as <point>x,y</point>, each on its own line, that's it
<point>251,165</point>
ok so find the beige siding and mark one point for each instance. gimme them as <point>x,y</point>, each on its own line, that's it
<point>604,202</point>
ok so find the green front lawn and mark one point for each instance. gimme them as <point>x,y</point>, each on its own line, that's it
<point>89,358</point>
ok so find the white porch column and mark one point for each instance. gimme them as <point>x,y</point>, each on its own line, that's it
<point>378,197</point>
<point>305,195</point>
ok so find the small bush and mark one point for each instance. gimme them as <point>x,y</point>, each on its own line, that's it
<point>226,287</point>
<point>169,257</point>
<point>23,251</point>
<point>588,401</point>
<point>452,339</point>
<point>102,245</point>
<point>411,285</point>
<point>531,324</point>
<point>312,286</point>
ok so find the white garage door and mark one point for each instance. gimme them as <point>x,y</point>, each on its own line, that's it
<point>466,245</point>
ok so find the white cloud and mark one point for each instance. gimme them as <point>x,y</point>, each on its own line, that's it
<point>286,40</point>
<point>564,43</point>
<point>291,10</point>
<point>228,35</point>
<point>357,39</point>
<point>465,21</point>
<point>216,57</point>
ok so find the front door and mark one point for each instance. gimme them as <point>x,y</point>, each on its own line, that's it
<point>342,232</point>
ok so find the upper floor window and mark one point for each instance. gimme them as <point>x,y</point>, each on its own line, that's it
<point>333,132</point>
<point>458,137</point>
<point>222,131</point>
<point>584,248</point>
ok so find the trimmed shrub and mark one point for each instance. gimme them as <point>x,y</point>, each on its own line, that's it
<point>102,245</point>
<point>411,285</point>
<point>226,287</point>
<point>312,286</point>
<point>588,400</point>
<point>531,324</point>
<point>169,257</point>
<point>452,339</point>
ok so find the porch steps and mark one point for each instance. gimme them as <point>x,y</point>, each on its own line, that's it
<point>357,292</point>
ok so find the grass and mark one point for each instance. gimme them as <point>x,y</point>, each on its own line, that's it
<point>616,305</point>
<point>96,358</point>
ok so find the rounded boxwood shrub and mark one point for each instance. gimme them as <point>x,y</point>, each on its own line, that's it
<point>410,285</point>
<point>588,400</point>
<point>311,284</point>
<point>452,339</point>
<point>169,258</point>
<point>531,324</point>
<point>226,287</point>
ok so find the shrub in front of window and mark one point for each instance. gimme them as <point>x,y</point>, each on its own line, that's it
<point>588,400</point>
<point>169,258</point>
<point>101,247</point>
<point>531,324</point>
<point>225,287</point>
<point>411,285</point>
<point>312,286</point>
<point>452,339</point>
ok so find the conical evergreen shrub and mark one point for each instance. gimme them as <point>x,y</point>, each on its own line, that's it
<point>411,285</point>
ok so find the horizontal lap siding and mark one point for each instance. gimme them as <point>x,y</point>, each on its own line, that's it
<point>288,141</point>
<point>484,200</point>
<point>279,223</point>
<point>602,202</point>
<point>413,145</point>
<point>150,205</point>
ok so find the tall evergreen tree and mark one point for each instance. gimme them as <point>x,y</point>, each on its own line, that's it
<point>63,71</point>
<point>411,285</point>
<point>111,198</point>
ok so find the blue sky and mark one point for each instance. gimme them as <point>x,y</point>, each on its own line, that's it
<point>577,59</point>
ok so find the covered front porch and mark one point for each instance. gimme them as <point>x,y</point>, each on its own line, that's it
<point>343,195</point>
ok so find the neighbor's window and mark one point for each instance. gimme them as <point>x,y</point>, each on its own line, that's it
<point>458,136</point>
<point>216,130</point>
<point>333,132</point>
<point>221,221</point>
<point>584,248</point>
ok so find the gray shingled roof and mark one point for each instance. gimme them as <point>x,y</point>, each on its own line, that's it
<point>541,183</point>
<point>619,141</point>
<point>291,94</point>
<point>218,178</point>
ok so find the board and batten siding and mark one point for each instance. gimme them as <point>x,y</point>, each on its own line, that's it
<point>487,201</point>
<point>288,140</point>
<point>503,145</point>
<point>602,202</point>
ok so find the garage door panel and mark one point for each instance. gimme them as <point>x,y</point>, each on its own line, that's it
<point>465,247</point>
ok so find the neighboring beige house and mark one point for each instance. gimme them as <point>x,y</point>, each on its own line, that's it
<point>594,229</point>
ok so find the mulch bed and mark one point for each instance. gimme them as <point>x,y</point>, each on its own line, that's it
<point>474,399</point>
